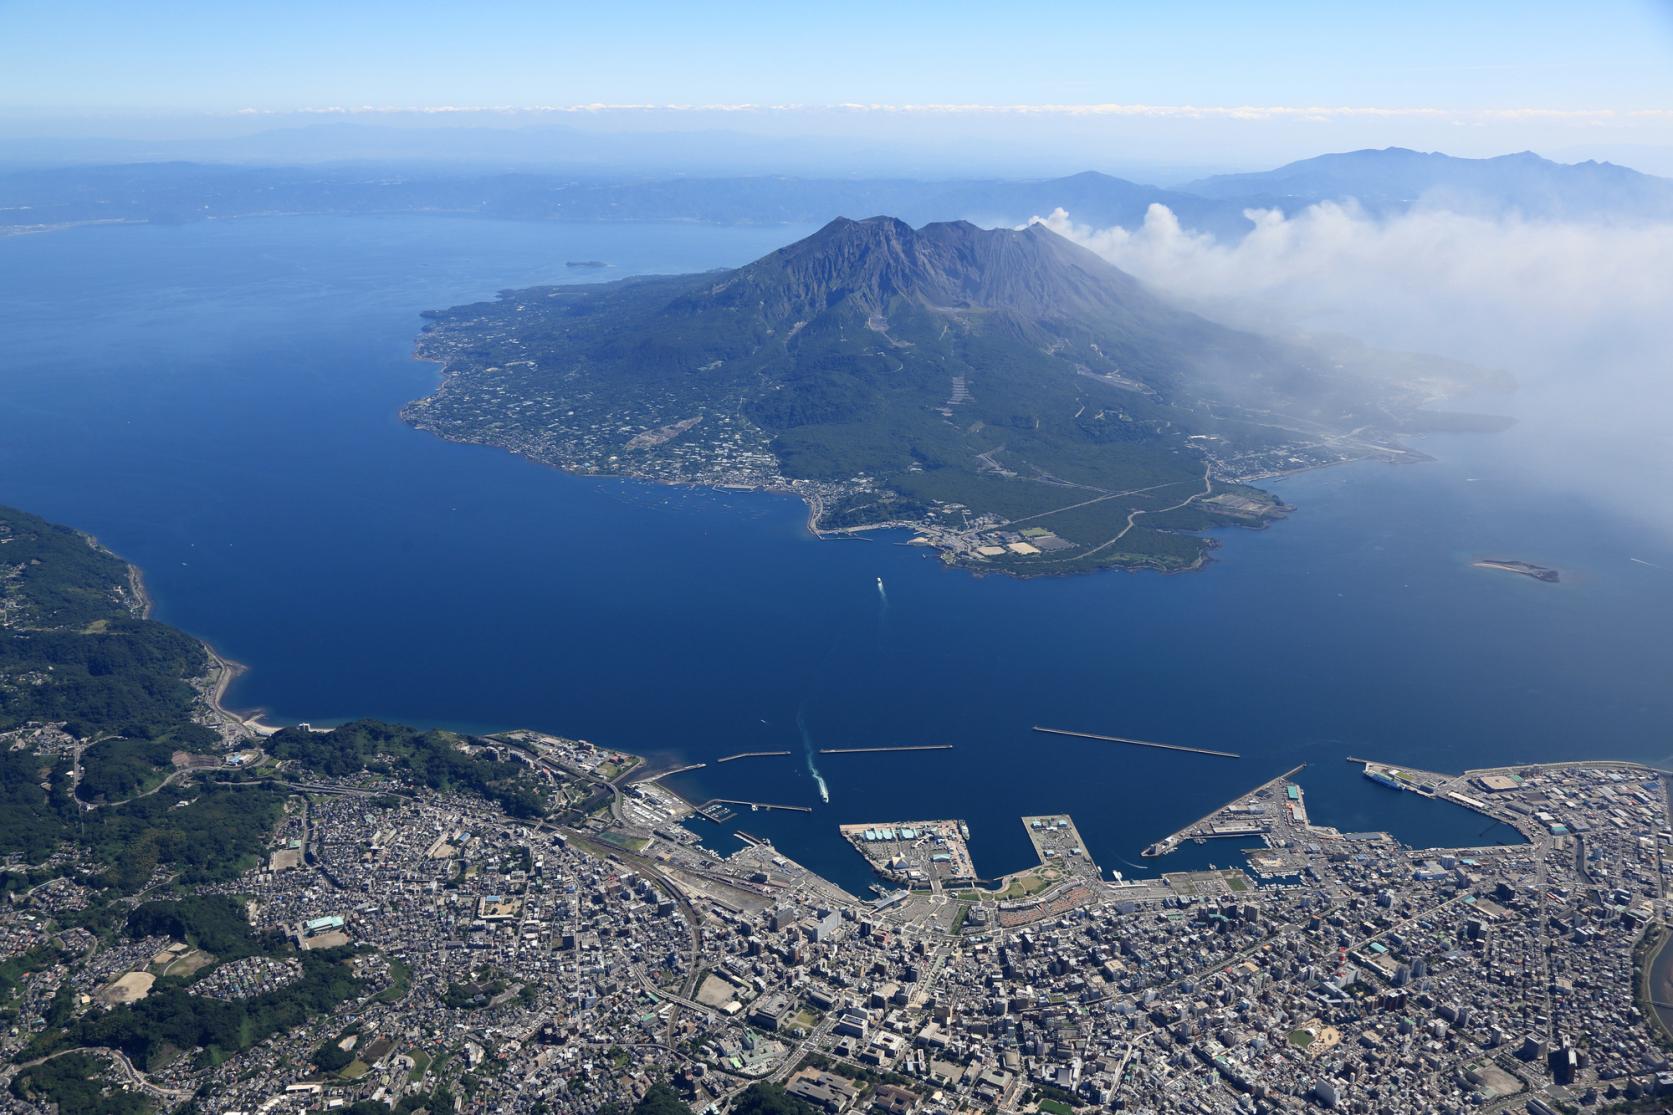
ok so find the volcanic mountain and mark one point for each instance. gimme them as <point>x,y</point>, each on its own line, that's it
<point>1007,393</point>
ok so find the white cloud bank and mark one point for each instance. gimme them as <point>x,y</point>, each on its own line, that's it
<point>1581,314</point>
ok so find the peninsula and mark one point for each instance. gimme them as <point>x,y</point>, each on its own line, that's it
<point>1017,403</point>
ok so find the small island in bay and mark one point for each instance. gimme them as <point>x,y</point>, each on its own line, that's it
<point>1011,399</point>
<point>591,263</point>
<point>1525,568</point>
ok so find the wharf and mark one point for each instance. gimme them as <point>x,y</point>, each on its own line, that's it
<point>1427,783</point>
<point>754,805</point>
<point>1484,790</point>
<point>1139,742</point>
<point>1055,838</point>
<point>915,853</point>
<point>1203,827</point>
<point>671,771</point>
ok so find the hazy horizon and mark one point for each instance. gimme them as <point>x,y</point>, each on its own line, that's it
<point>837,142</point>
<point>953,90</point>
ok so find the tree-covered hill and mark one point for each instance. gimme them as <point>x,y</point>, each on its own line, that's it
<point>95,700</point>
<point>433,759</point>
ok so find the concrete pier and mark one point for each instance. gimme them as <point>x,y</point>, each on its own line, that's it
<point>1138,742</point>
<point>669,773</point>
<point>1194,830</point>
<point>758,805</point>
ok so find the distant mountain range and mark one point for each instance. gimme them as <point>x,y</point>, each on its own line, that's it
<point>180,192</point>
<point>1395,179</point>
<point>1019,402</point>
<point>1383,182</point>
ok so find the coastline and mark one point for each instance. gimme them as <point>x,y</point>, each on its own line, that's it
<point>142,602</point>
<point>222,672</point>
<point>815,505</point>
<point>816,495</point>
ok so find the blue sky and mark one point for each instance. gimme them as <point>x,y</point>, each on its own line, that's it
<point>1488,75</point>
<point>307,54</point>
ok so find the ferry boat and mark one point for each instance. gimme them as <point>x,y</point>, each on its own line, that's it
<point>1384,778</point>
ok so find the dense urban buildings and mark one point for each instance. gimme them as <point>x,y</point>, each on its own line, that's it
<point>569,961</point>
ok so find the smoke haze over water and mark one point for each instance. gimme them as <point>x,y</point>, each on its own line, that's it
<point>1580,314</point>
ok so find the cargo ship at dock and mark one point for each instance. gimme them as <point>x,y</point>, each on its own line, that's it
<point>1384,778</point>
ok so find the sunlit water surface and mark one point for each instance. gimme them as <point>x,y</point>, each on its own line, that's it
<point>218,403</point>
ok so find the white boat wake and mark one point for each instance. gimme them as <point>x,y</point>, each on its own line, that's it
<point>807,749</point>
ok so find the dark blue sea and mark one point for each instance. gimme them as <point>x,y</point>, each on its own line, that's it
<point>217,402</point>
